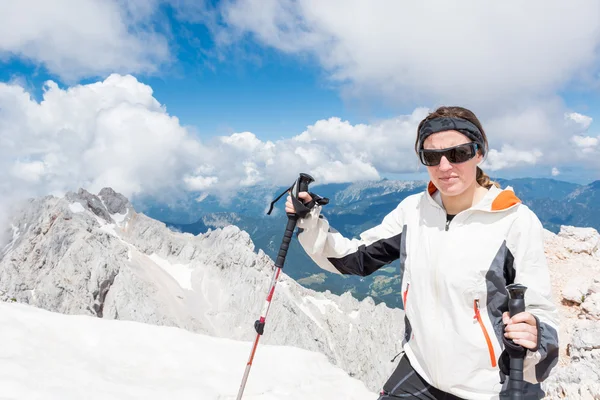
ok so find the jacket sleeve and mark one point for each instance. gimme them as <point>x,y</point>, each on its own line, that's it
<point>331,251</point>
<point>526,243</point>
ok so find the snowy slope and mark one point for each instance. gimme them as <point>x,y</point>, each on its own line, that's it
<point>48,356</point>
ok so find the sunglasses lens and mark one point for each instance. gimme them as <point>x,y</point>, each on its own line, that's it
<point>455,155</point>
<point>431,158</point>
<point>460,154</point>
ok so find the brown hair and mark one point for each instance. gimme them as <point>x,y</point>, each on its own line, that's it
<point>460,112</point>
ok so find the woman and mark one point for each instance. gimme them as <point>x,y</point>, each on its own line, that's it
<point>460,242</point>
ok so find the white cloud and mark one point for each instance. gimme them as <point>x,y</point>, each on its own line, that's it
<point>245,141</point>
<point>586,144</point>
<point>77,39</point>
<point>510,157</point>
<point>475,53</point>
<point>582,120</point>
<point>555,171</point>
<point>115,133</point>
<point>109,133</point>
<point>28,171</point>
<point>199,182</point>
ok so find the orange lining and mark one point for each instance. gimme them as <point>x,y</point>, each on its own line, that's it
<point>487,337</point>
<point>504,200</point>
<point>405,295</point>
<point>431,188</point>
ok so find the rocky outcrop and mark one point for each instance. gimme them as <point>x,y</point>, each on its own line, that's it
<point>574,261</point>
<point>94,255</point>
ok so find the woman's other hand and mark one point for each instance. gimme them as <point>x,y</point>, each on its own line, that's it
<point>522,329</point>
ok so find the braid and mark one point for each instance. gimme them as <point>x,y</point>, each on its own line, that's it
<point>484,180</point>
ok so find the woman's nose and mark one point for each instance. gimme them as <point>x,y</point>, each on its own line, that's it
<point>445,164</point>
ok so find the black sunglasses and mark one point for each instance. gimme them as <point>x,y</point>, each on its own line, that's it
<point>456,155</point>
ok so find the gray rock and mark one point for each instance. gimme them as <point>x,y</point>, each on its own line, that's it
<point>580,240</point>
<point>115,202</point>
<point>586,337</point>
<point>576,289</point>
<point>591,306</point>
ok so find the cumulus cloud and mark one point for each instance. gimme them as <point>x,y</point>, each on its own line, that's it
<point>109,133</point>
<point>115,133</point>
<point>510,157</point>
<point>583,121</point>
<point>586,144</point>
<point>77,39</point>
<point>555,171</point>
<point>474,53</point>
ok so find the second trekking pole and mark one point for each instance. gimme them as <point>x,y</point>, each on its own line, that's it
<point>516,305</point>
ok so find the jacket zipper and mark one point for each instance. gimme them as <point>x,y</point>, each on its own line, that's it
<point>485,333</point>
<point>405,296</point>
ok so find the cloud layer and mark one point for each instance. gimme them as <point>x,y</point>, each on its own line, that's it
<point>83,38</point>
<point>474,53</point>
<point>115,133</point>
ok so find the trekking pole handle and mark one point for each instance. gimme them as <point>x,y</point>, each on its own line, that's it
<point>516,302</point>
<point>516,305</point>
<point>301,185</point>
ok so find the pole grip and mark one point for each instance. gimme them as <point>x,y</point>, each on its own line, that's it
<point>287,237</point>
<point>515,384</point>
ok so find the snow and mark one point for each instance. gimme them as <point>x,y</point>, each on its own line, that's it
<point>354,314</point>
<point>323,303</point>
<point>306,311</point>
<point>76,207</point>
<point>53,356</point>
<point>118,218</point>
<point>15,235</point>
<point>182,273</point>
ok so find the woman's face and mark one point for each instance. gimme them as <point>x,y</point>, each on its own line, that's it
<point>451,179</point>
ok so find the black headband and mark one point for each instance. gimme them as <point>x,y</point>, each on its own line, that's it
<point>441,124</point>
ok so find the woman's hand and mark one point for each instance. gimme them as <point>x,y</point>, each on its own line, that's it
<point>289,206</point>
<point>522,329</point>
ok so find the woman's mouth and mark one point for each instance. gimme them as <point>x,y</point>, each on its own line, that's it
<point>449,179</point>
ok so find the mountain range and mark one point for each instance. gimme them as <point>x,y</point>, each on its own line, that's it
<point>353,208</point>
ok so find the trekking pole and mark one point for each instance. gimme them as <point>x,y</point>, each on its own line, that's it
<point>516,304</point>
<point>301,185</point>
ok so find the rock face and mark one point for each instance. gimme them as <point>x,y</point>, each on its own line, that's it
<point>574,261</point>
<point>94,255</point>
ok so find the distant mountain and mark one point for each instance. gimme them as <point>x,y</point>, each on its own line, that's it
<point>357,207</point>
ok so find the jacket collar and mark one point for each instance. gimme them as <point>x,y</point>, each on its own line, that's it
<point>496,200</point>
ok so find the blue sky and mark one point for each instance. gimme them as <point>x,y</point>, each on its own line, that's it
<point>262,90</point>
<point>246,78</point>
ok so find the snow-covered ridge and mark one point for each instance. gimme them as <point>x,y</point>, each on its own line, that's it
<point>94,255</point>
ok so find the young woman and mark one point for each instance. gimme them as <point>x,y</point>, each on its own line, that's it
<point>460,242</point>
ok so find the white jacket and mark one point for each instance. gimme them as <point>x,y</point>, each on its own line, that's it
<point>453,283</point>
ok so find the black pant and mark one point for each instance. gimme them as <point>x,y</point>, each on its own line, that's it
<point>406,383</point>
